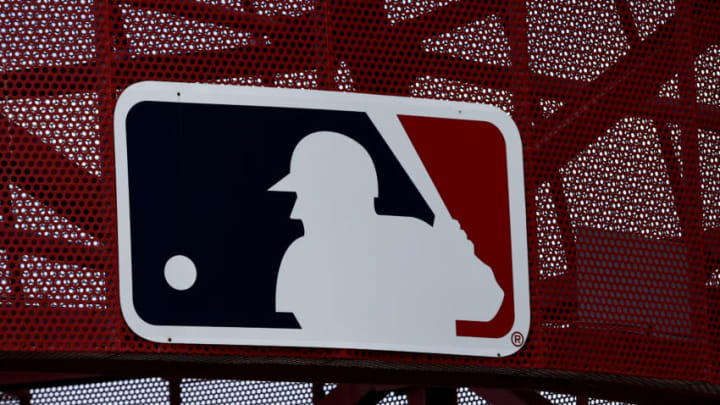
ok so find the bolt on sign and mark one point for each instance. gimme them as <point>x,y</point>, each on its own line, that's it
<point>279,217</point>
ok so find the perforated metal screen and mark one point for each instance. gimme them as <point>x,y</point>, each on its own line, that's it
<point>194,391</point>
<point>219,392</point>
<point>467,397</point>
<point>145,391</point>
<point>618,105</point>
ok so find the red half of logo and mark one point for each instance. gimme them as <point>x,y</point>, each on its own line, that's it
<point>467,163</point>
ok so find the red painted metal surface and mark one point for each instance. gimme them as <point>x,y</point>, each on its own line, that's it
<point>617,103</point>
<point>449,148</point>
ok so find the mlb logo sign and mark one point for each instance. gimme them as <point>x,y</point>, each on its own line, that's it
<point>276,217</point>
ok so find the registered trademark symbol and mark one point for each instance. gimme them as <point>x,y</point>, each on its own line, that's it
<point>517,339</point>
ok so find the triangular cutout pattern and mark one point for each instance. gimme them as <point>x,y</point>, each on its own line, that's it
<point>620,183</point>
<point>285,8</point>
<point>578,42</point>
<point>671,88</point>
<point>34,216</point>
<point>650,14</point>
<point>5,280</point>
<point>393,398</point>
<point>707,73</point>
<point>151,32</point>
<point>714,279</point>
<point>400,10</point>
<point>62,285</point>
<point>343,78</point>
<point>709,148</point>
<point>550,107</point>
<point>557,398</point>
<point>307,79</point>
<point>446,89</point>
<point>47,33</point>
<point>481,41</point>
<point>553,260</point>
<point>69,123</point>
<point>675,134</point>
<point>240,81</point>
<point>467,397</point>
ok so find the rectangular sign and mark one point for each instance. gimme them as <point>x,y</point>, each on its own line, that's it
<point>279,217</point>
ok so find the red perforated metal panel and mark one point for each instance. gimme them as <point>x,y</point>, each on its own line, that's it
<point>618,105</point>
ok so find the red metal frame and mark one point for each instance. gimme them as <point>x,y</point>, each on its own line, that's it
<point>383,58</point>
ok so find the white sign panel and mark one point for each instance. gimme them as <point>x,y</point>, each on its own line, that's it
<point>276,217</point>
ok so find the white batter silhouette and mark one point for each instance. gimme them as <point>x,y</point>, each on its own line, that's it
<point>358,276</point>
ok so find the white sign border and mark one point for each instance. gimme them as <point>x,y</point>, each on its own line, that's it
<point>382,118</point>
